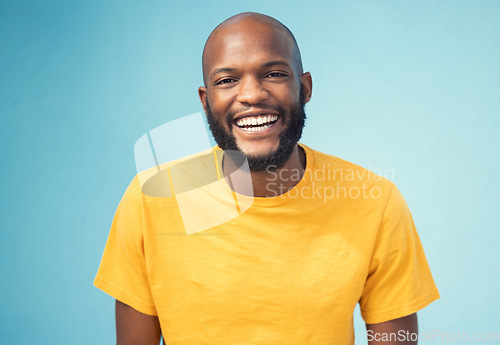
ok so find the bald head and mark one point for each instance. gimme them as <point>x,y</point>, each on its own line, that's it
<point>257,25</point>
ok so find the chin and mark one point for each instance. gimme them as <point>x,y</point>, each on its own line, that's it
<point>261,152</point>
<point>258,147</point>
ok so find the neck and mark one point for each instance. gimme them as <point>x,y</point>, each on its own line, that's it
<point>269,183</point>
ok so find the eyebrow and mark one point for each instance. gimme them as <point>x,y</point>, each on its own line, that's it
<point>222,69</point>
<point>267,64</point>
<point>276,62</point>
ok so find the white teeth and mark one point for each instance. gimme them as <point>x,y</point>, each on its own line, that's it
<point>257,120</point>
<point>258,129</point>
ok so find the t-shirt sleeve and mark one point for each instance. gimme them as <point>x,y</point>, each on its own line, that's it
<point>399,281</point>
<point>122,273</point>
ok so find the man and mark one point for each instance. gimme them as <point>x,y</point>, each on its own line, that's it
<point>320,236</point>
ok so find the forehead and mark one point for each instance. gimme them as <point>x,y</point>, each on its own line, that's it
<point>247,44</point>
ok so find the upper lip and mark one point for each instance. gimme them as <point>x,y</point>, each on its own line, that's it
<point>254,113</point>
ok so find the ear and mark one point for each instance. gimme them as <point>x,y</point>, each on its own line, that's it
<point>306,81</point>
<point>202,92</point>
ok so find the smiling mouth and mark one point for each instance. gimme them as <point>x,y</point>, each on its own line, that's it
<point>256,123</point>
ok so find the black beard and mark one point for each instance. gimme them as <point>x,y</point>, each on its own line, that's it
<point>294,122</point>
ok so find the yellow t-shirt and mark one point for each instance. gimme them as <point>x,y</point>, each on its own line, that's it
<point>288,270</point>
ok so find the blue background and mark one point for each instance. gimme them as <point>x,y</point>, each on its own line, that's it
<point>410,87</point>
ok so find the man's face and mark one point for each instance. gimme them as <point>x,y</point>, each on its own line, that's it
<point>254,98</point>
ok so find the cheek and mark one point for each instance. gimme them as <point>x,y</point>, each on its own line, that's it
<point>287,95</point>
<point>220,100</point>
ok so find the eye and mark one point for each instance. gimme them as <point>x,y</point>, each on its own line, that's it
<point>275,75</point>
<point>225,81</point>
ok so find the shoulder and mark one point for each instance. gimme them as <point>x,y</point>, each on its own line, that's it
<point>332,168</point>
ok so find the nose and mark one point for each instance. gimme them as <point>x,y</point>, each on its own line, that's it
<point>251,91</point>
